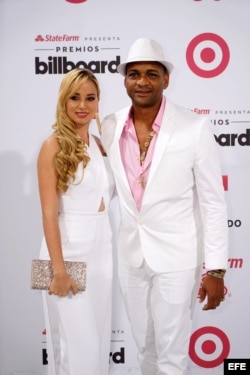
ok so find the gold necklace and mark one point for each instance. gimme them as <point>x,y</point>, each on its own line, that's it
<point>143,154</point>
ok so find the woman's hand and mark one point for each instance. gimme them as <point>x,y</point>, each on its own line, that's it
<point>62,284</point>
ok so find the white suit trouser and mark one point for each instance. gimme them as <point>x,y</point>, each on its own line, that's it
<point>160,308</point>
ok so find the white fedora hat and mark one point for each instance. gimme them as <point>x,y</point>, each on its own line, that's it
<point>145,49</point>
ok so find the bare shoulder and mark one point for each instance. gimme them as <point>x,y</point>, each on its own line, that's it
<point>99,145</point>
<point>50,145</point>
<point>48,149</point>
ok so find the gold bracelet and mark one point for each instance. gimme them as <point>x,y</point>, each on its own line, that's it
<point>217,273</point>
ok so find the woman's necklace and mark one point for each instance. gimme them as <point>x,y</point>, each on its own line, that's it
<point>143,154</point>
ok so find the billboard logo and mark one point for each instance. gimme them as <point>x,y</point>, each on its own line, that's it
<point>207,55</point>
<point>233,139</point>
<point>44,357</point>
<point>61,65</point>
<point>118,357</point>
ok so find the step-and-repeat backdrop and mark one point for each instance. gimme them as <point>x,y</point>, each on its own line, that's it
<point>40,40</point>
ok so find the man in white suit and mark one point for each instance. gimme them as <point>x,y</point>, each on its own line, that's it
<point>173,213</point>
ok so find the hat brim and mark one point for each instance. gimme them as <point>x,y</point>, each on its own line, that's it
<point>122,67</point>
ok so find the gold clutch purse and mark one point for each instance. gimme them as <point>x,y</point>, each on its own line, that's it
<point>42,274</point>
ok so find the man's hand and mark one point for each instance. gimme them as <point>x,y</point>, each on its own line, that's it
<point>212,288</point>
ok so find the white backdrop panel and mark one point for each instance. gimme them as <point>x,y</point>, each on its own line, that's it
<point>37,35</point>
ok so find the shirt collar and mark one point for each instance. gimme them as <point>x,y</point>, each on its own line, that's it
<point>157,122</point>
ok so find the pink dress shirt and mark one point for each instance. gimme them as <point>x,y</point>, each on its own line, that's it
<point>130,154</point>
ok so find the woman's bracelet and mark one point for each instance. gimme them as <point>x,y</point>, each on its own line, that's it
<point>217,273</point>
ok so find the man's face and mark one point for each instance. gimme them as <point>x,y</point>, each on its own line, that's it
<point>145,82</point>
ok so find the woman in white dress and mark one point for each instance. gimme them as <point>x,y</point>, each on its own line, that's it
<point>76,187</point>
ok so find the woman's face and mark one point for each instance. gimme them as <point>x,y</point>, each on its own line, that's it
<point>82,106</point>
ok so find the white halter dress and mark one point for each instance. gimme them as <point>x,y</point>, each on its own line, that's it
<point>78,327</point>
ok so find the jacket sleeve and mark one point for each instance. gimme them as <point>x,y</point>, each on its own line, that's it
<point>210,191</point>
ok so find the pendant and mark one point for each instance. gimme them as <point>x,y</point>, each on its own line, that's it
<point>143,182</point>
<point>142,156</point>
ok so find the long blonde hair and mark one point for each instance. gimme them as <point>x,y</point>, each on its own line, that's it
<point>72,147</point>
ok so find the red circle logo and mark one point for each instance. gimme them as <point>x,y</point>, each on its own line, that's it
<point>208,347</point>
<point>76,1</point>
<point>207,55</point>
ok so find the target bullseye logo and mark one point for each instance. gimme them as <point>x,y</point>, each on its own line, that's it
<point>76,1</point>
<point>207,55</point>
<point>208,347</point>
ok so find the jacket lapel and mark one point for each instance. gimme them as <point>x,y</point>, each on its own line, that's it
<point>115,155</point>
<point>164,135</point>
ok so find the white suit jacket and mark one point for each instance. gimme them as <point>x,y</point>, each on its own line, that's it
<point>183,214</point>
